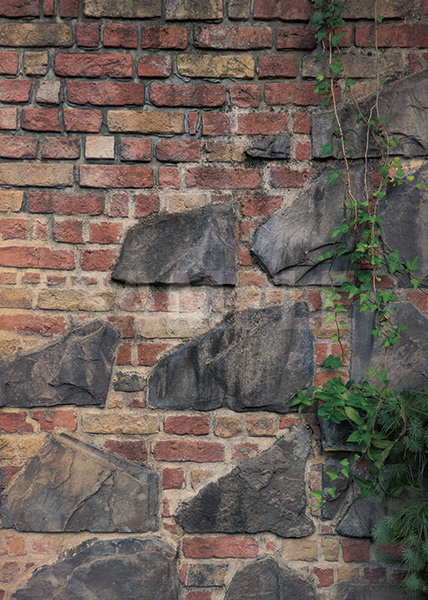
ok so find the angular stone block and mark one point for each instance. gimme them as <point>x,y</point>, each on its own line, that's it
<point>254,361</point>
<point>370,591</point>
<point>74,370</point>
<point>289,243</point>
<point>69,486</point>
<point>120,569</point>
<point>404,105</point>
<point>361,518</point>
<point>265,579</point>
<point>191,248</point>
<point>271,148</point>
<point>266,493</point>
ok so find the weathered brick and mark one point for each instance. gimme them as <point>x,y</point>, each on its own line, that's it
<point>15,297</point>
<point>184,451</point>
<point>124,354</point>
<point>302,94</point>
<point>61,147</point>
<point>125,9</point>
<point>135,451</point>
<point>239,10</point>
<point>120,422</point>
<point>215,124</point>
<point>93,65</point>
<point>148,354</point>
<point>36,258</point>
<point>261,425</point>
<point>104,93</point>
<point>11,200</point>
<point>358,66</point>
<point>14,422</point>
<point>119,205</point>
<point>218,151</point>
<point>184,425</point>
<point>70,232</point>
<point>87,35</point>
<point>48,8</point>
<point>39,175</point>
<point>134,300</point>
<point>55,299</point>
<point>275,67</point>
<point>284,10</point>
<point>214,178</point>
<point>403,35</point>
<point>330,548</point>
<point>99,146</point>
<point>199,596</point>
<point>148,122</point>
<point>169,177</point>
<point>36,63</point>
<point>48,92</point>
<point>325,577</point>
<point>173,479</point>
<point>35,35</point>
<point>8,118</point>
<point>232,37</point>
<point>184,202</point>
<point>302,150</point>
<point>13,229</point>
<point>226,546</point>
<point>159,36</point>
<point>98,260</point>
<point>302,549</point>
<point>186,94</point>
<point>19,8</point>
<point>259,205</point>
<point>221,66</point>
<point>119,35</point>
<point>145,204</point>
<point>178,150</point>
<point>49,420</point>
<point>31,323</point>
<point>65,204</point>
<point>296,37</point>
<point>105,233</point>
<point>40,119</point>
<point>193,120</point>
<point>364,9</point>
<point>194,10</point>
<point>14,91</point>
<point>7,452</point>
<point>136,149</point>
<point>355,551</point>
<point>154,66</point>
<point>301,122</point>
<point>192,301</point>
<point>245,95</point>
<point>77,119</point>
<point>18,147</point>
<point>8,63</point>
<point>227,427</point>
<point>266,123</point>
<point>69,9</point>
<point>160,325</point>
<point>285,177</point>
<point>115,176</point>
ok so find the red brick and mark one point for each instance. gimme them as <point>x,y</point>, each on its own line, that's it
<point>284,177</point>
<point>321,378</point>
<point>50,420</point>
<point>94,65</point>
<point>19,8</point>
<point>124,354</point>
<point>232,37</point>
<point>18,147</point>
<point>8,63</point>
<point>245,231</point>
<point>136,149</point>
<point>216,177</point>
<point>154,66</point>
<point>178,150</point>
<point>105,233</point>
<point>315,300</point>
<point>193,301</point>
<point>69,8</point>
<point>244,95</point>
<point>61,147</point>
<point>248,278</point>
<point>136,451</point>
<point>184,425</point>
<point>301,94</point>
<point>119,35</point>
<point>40,119</point>
<point>134,300</point>
<point>301,122</point>
<point>83,120</point>
<point>125,324</point>
<point>325,577</point>
<point>375,574</point>
<point>173,479</point>
<point>55,279</point>
<point>169,177</point>
<point>180,451</point>
<point>284,10</point>
<point>244,257</point>
<point>424,7</point>
<point>297,36</point>
<point>105,93</point>
<point>354,551</point>
<point>115,176</point>
<point>145,204</point>
<point>70,232</point>
<point>148,354</point>
<point>88,35</point>
<point>277,66</point>
<point>261,123</point>
<point>14,422</point>
<point>215,124</point>
<point>188,94</point>
<point>199,596</point>
<point>13,229</point>
<point>159,36</point>
<point>32,324</point>
<point>415,64</point>
<point>302,150</point>
<point>48,8</point>
<point>193,118</point>
<point>8,118</point>
<point>119,205</point>
<point>98,260</point>
<point>321,352</point>
<point>402,35</point>
<point>161,301</point>
<point>6,474</point>
<point>7,278</point>
<point>259,205</point>
<point>419,299</point>
<point>30,278</point>
<point>226,546</point>
<point>36,258</point>
<point>65,204</point>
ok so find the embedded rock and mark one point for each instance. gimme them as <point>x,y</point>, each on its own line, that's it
<point>265,579</point>
<point>120,569</point>
<point>289,243</point>
<point>404,105</point>
<point>74,370</point>
<point>361,518</point>
<point>332,505</point>
<point>370,591</point>
<point>334,436</point>
<point>266,493</point>
<point>271,148</point>
<point>69,486</point>
<point>254,361</point>
<point>191,248</point>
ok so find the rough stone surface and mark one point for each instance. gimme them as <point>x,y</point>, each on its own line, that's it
<point>289,243</point>
<point>369,591</point>
<point>266,579</point>
<point>266,493</point>
<point>69,486</point>
<point>193,248</point>
<point>74,370</point>
<point>125,569</point>
<point>277,147</point>
<point>403,104</point>
<point>254,361</point>
<point>361,517</point>
<point>125,9</point>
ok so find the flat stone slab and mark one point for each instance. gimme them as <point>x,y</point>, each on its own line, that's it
<point>193,248</point>
<point>254,361</point>
<point>289,243</point>
<point>265,493</point>
<point>125,569</point>
<point>69,486</point>
<point>404,105</point>
<point>265,579</point>
<point>370,591</point>
<point>271,147</point>
<point>74,370</point>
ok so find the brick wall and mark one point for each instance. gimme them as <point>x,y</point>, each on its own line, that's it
<point>113,111</point>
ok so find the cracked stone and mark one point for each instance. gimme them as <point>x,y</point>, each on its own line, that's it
<point>271,148</point>
<point>255,361</point>
<point>70,486</point>
<point>74,370</point>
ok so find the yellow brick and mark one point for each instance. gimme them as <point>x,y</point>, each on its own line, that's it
<point>300,549</point>
<point>164,325</point>
<point>74,300</point>
<point>36,63</point>
<point>345,573</point>
<point>7,450</point>
<point>259,425</point>
<point>119,422</point>
<point>331,549</point>
<point>33,35</point>
<point>12,297</point>
<point>227,427</point>
<point>199,476</point>
<point>183,202</point>
<point>11,200</point>
<point>39,175</point>
<point>207,65</point>
<point>224,151</point>
<point>190,10</point>
<point>150,122</point>
<point>247,299</point>
<point>30,445</point>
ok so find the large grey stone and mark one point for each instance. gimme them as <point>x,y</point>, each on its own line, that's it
<point>74,370</point>
<point>266,493</point>
<point>271,147</point>
<point>69,486</point>
<point>361,517</point>
<point>193,248</point>
<point>332,504</point>
<point>264,579</point>
<point>119,569</point>
<point>370,591</point>
<point>404,105</point>
<point>334,436</point>
<point>254,361</point>
<point>289,243</point>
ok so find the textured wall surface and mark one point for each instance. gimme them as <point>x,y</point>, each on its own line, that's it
<point>115,114</point>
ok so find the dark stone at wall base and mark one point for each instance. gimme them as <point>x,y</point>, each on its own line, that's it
<point>255,361</point>
<point>264,579</point>
<point>266,493</point>
<point>193,248</point>
<point>271,148</point>
<point>69,486</point>
<point>370,591</point>
<point>125,569</point>
<point>74,370</point>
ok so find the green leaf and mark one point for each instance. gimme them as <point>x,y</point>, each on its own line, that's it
<point>413,264</point>
<point>329,318</point>
<point>317,494</point>
<point>416,283</point>
<point>333,176</point>
<point>336,38</point>
<point>353,415</point>
<point>332,492</point>
<point>333,362</point>
<point>335,67</point>
<point>332,474</point>
<point>380,19</point>
<point>328,149</point>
